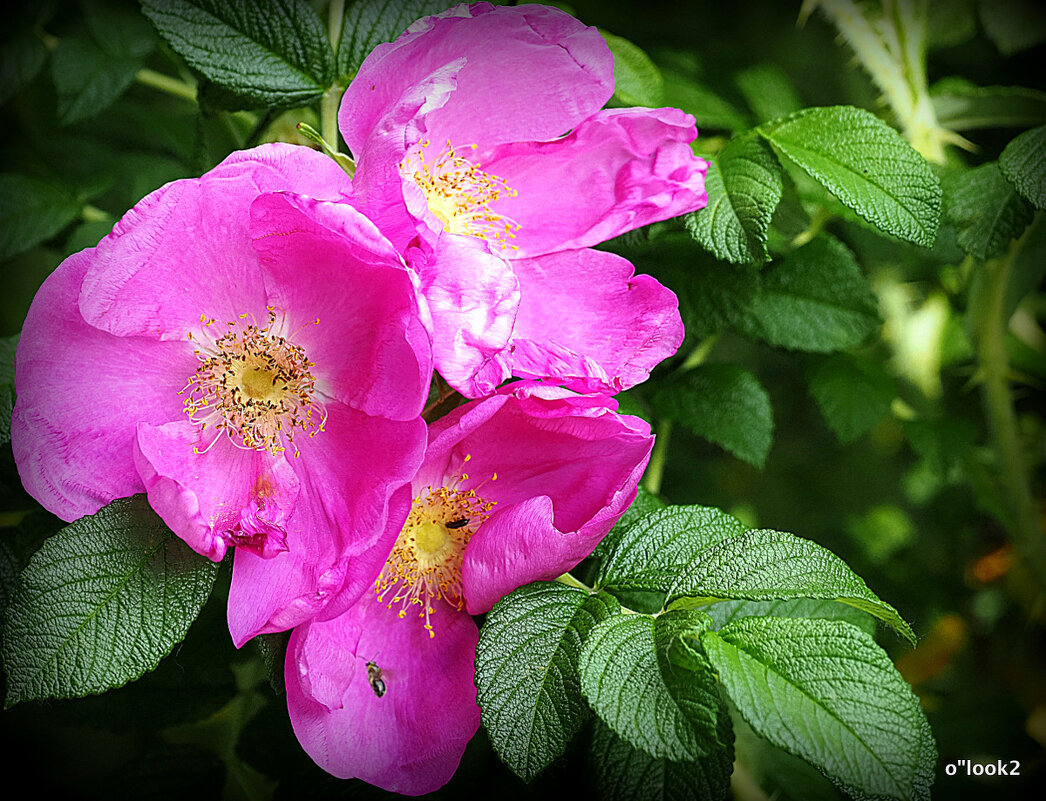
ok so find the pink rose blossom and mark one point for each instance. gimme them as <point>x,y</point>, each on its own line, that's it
<point>253,360</point>
<point>484,153</point>
<point>515,488</point>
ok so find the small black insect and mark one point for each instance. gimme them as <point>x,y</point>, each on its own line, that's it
<point>458,523</point>
<point>377,683</point>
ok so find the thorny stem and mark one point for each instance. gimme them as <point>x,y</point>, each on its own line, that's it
<point>991,324</point>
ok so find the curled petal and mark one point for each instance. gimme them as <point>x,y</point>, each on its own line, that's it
<point>617,171</point>
<point>409,739</point>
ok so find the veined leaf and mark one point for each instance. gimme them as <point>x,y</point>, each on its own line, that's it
<point>101,603</point>
<point>526,671</point>
<point>1023,162</point>
<point>637,80</point>
<point>7,385</point>
<point>853,393</point>
<point>963,106</point>
<point>31,212</point>
<point>274,53</point>
<point>816,299</point>
<point>824,691</point>
<point>726,612</point>
<point>866,164</point>
<point>986,209</point>
<point>744,184</point>
<point>763,565</point>
<point>624,773</point>
<point>723,403</point>
<point>665,709</point>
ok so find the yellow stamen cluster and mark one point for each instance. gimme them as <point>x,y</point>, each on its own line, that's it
<point>425,563</point>
<point>459,193</point>
<point>252,384</point>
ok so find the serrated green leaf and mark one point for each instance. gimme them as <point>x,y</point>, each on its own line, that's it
<point>763,565</point>
<point>963,106</point>
<point>100,604</point>
<point>119,28</point>
<point>31,212</point>
<point>815,299</point>
<point>1023,162</point>
<point>726,612</point>
<point>723,403</point>
<point>273,54</point>
<point>660,545</point>
<point>369,23</point>
<point>986,210</point>
<point>526,671</point>
<point>658,706</point>
<point>637,80</point>
<point>853,393</point>
<point>823,690</point>
<point>744,184</point>
<point>624,773</point>
<point>866,164</point>
<point>7,385</point>
<point>21,58</point>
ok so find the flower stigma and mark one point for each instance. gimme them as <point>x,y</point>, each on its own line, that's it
<point>425,563</point>
<point>459,194</point>
<point>254,385</point>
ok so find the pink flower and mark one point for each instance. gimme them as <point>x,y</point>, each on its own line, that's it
<point>252,360</point>
<point>515,488</point>
<point>483,153</point>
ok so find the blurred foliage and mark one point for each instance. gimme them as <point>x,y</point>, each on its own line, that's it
<point>884,451</point>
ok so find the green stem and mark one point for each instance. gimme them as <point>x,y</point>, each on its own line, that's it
<point>570,581</point>
<point>656,469</point>
<point>991,323</point>
<point>165,83</point>
<point>332,97</point>
<point>91,213</point>
<point>699,354</point>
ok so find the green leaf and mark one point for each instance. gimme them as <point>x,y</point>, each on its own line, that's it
<point>526,671</point>
<point>31,212</point>
<point>723,403</point>
<point>1014,25</point>
<point>100,604</point>
<point>667,710</point>
<point>637,80</point>
<point>709,109</point>
<point>87,78</point>
<point>21,58</point>
<point>823,690</point>
<point>7,385</point>
<point>624,773</point>
<point>768,91</point>
<point>725,612</point>
<point>986,210</point>
<point>744,184</point>
<point>272,54</point>
<point>816,299</point>
<point>763,565</point>
<point>369,23</point>
<point>119,28</point>
<point>1023,162</point>
<point>866,164</point>
<point>854,393</point>
<point>660,545</point>
<point>963,106</point>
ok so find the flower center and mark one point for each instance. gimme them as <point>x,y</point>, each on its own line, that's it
<point>459,194</point>
<point>253,385</point>
<point>425,563</point>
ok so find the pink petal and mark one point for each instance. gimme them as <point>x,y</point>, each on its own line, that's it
<point>342,527</point>
<point>566,469</point>
<point>618,170</point>
<point>349,301</point>
<point>80,395</point>
<point>472,297</point>
<point>586,320</point>
<point>500,97</point>
<point>206,497</point>
<point>191,238</point>
<point>409,740</point>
